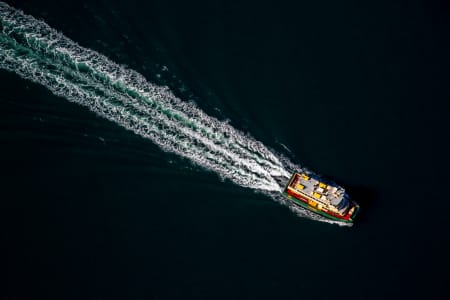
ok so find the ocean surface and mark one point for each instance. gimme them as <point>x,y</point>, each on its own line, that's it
<point>141,140</point>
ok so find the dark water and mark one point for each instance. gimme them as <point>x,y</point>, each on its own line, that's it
<point>358,92</point>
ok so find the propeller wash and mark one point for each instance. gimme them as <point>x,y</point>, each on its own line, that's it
<point>35,51</point>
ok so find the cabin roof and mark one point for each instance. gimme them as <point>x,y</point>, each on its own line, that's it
<point>316,188</point>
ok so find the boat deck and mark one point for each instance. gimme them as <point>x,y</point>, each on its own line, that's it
<point>316,189</point>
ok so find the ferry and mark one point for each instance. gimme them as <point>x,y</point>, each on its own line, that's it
<point>322,197</point>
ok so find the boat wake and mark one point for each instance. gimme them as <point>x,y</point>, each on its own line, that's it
<point>34,51</point>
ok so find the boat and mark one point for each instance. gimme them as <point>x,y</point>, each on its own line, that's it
<point>321,196</point>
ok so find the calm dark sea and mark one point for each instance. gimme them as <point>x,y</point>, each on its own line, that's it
<point>356,91</point>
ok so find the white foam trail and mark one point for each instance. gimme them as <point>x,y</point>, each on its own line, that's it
<point>33,50</point>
